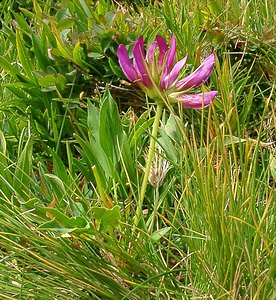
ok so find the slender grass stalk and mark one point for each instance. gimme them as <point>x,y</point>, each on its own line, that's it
<point>159,110</point>
<point>155,208</point>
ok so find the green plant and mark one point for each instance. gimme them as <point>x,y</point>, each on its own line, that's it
<point>69,193</point>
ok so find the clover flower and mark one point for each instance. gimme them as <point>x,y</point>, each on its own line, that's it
<point>158,75</point>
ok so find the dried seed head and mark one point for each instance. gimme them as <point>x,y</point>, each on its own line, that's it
<point>158,169</point>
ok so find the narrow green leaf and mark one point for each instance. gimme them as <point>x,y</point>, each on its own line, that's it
<point>37,9</point>
<point>272,166</point>
<point>94,155</point>
<point>114,66</point>
<point>129,164</point>
<point>59,168</point>
<point>4,171</point>
<point>8,67</point>
<point>57,186</point>
<point>86,8</point>
<point>62,47</point>
<point>31,89</point>
<point>157,235</point>
<point>24,57</point>
<point>78,54</point>
<point>40,54</point>
<point>111,133</point>
<point>2,143</point>
<point>21,21</point>
<point>93,120</point>
<point>168,146</point>
<point>138,133</point>
<point>22,179</point>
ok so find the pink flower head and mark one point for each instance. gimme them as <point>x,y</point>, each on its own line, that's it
<point>158,75</point>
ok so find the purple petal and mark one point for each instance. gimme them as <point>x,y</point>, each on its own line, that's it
<point>199,76</point>
<point>171,54</point>
<point>163,48</point>
<point>164,79</point>
<point>140,61</point>
<point>150,52</point>
<point>168,79</point>
<point>139,75</point>
<point>197,101</point>
<point>126,64</point>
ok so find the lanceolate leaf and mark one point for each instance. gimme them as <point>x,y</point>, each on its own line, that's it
<point>40,52</point>
<point>63,48</point>
<point>22,178</point>
<point>85,8</point>
<point>94,155</point>
<point>57,186</point>
<point>7,67</point>
<point>5,176</point>
<point>111,134</point>
<point>24,57</point>
<point>157,235</point>
<point>78,54</point>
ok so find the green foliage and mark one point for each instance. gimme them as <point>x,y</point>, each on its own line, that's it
<point>108,144</point>
<point>61,56</point>
<point>73,144</point>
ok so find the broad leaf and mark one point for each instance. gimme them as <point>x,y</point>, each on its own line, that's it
<point>62,223</point>
<point>106,219</point>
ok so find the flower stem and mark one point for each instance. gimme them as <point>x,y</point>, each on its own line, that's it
<point>153,137</point>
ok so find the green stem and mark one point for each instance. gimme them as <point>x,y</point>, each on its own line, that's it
<point>154,214</point>
<point>153,137</point>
